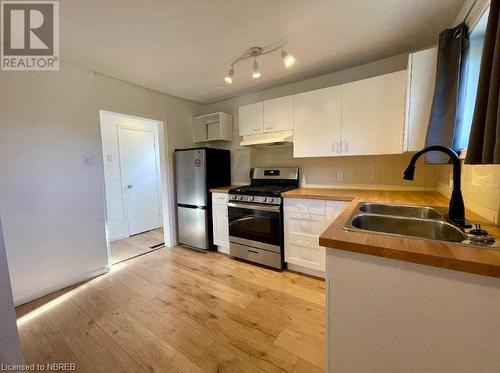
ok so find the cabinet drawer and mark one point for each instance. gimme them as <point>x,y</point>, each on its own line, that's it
<point>220,198</point>
<point>309,206</point>
<point>299,222</point>
<point>302,239</point>
<point>305,254</point>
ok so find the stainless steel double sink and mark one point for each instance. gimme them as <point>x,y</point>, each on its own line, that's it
<point>406,221</point>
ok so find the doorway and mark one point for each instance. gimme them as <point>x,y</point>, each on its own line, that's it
<point>137,190</point>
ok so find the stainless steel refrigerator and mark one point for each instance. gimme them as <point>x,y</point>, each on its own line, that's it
<point>197,171</point>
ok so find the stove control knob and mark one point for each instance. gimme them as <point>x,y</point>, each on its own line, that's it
<point>240,198</point>
<point>270,200</point>
<point>264,199</point>
<point>233,196</point>
<point>250,199</point>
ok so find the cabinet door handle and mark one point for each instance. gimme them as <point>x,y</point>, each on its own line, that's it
<point>303,243</point>
<point>344,147</point>
<point>256,129</point>
<point>269,127</point>
<point>335,147</point>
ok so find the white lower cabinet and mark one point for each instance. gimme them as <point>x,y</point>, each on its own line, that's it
<point>220,222</point>
<point>305,221</point>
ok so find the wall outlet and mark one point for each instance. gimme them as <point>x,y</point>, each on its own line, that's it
<point>340,176</point>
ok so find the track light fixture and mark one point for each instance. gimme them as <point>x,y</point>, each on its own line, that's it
<point>288,60</point>
<point>229,77</point>
<point>256,70</point>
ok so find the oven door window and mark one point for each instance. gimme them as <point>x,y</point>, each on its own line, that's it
<point>255,225</point>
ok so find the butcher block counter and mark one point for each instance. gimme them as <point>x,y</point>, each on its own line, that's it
<point>224,189</point>
<point>433,253</point>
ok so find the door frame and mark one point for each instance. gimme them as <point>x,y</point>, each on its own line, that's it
<point>166,180</point>
<point>121,126</point>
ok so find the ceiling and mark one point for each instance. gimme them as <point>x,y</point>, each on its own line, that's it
<point>184,47</point>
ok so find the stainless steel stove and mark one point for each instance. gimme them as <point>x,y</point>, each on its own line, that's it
<point>256,216</point>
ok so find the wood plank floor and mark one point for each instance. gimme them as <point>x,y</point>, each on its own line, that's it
<point>177,310</point>
<point>136,245</point>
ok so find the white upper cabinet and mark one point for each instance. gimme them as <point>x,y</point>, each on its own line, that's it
<point>420,92</point>
<point>373,115</point>
<point>278,114</point>
<point>213,127</point>
<point>317,120</point>
<point>251,119</point>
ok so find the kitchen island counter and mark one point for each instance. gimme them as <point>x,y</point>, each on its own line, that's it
<point>409,304</point>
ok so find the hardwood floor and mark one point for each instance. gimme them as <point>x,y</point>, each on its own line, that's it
<point>136,245</point>
<point>177,310</point>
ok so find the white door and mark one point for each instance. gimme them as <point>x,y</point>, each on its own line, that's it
<point>317,119</point>
<point>373,115</point>
<point>140,179</point>
<point>278,114</point>
<point>251,119</point>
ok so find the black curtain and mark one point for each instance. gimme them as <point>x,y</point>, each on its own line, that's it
<point>484,141</point>
<point>446,117</point>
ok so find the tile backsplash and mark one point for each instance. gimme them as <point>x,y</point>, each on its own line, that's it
<point>480,189</point>
<point>480,184</point>
<point>381,171</point>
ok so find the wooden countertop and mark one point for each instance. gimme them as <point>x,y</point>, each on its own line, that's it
<point>448,255</point>
<point>224,189</point>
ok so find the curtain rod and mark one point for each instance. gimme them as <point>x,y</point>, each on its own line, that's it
<point>484,5</point>
<point>470,10</point>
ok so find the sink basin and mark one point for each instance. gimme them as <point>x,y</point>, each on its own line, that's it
<point>405,226</point>
<point>422,212</point>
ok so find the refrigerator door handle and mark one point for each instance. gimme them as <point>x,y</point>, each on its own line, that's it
<point>192,206</point>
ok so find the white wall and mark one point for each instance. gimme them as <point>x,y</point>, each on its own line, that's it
<point>52,204</point>
<point>10,350</point>
<point>115,212</point>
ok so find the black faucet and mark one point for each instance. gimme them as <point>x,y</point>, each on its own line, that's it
<point>456,211</point>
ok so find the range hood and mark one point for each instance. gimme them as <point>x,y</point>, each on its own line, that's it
<point>268,139</point>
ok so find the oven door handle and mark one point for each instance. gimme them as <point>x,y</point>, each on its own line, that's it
<point>254,207</point>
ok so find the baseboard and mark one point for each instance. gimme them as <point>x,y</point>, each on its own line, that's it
<point>223,249</point>
<point>120,237</point>
<point>42,292</point>
<point>305,270</point>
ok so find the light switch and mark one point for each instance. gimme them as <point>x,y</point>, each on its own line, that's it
<point>88,159</point>
<point>340,176</point>
<point>109,157</point>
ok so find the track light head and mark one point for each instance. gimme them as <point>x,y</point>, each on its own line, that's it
<point>229,77</point>
<point>255,52</point>
<point>256,70</point>
<point>288,59</point>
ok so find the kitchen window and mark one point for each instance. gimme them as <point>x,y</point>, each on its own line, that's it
<point>476,37</point>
